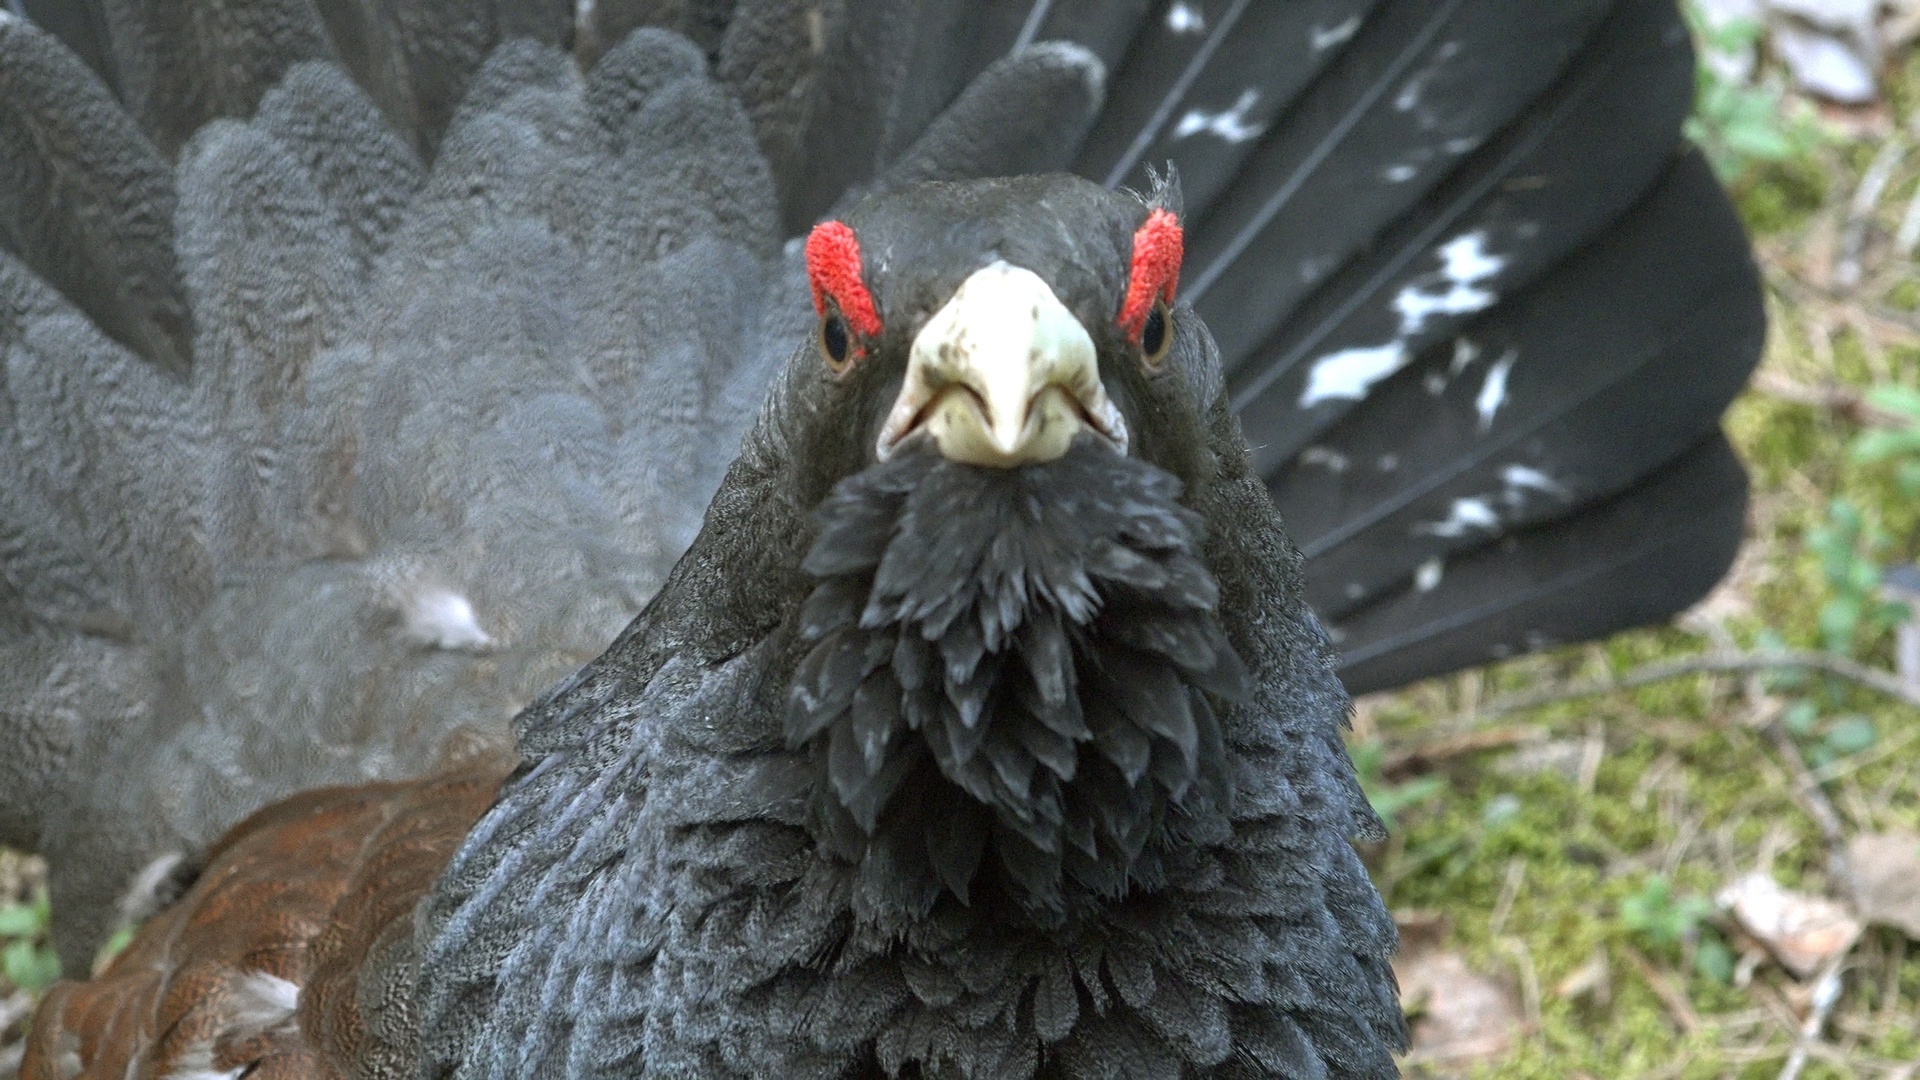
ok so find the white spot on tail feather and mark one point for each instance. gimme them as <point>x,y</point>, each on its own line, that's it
<point>1334,461</point>
<point>1350,373</point>
<point>1464,264</point>
<point>1183,18</point>
<point>1399,174</point>
<point>1527,478</point>
<point>1453,289</point>
<point>1429,574</point>
<point>1229,124</point>
<point>1465,351</point>
<point>1493,392</point>
<point>1464,516</point>
<point>1338,34</point>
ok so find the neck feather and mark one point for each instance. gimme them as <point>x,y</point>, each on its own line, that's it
<point>1013,679</point>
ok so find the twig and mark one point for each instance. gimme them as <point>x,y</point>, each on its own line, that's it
<point>1853,671</point>
<point>1843,401</point>
<point>1677,1004</point>
<point>1522,957</point>
<point>1804,292</point>
<point>1509,892</point>
<point>1813,799</point>
<point>1426,755</point>
<point>1866,198</point>
<point>1826,992</point>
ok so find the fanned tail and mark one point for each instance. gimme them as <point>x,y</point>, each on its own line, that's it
<point>368,364</point>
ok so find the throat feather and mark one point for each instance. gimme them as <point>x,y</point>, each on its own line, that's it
<point>1012,680</point>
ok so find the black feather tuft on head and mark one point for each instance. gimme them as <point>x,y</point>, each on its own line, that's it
<point>1025,662</point>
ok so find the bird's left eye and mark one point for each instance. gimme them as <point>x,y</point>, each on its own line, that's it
<point>836,347</point>
<point>1156,337</point>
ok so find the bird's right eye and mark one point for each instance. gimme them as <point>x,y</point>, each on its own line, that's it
<point>849,322</point>
<point>836,347</point>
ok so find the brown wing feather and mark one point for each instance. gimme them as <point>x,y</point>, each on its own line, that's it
<point>259,963</point>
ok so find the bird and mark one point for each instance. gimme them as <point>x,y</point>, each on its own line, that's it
<point>369,372</point>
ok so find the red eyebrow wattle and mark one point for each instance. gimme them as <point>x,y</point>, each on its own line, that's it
<point>833,270</point>
<point>1157,249</point>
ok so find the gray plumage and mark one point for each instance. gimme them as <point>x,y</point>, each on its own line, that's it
<point>445,429</point>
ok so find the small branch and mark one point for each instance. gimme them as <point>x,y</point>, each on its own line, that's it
<point>1813,799</point>
<point>1866,198</point>
<point>1880,682</point>
<point>1842,401</point>
<point>1826,993</point>
<point>1677,1004</point>
<point>1425,756</point>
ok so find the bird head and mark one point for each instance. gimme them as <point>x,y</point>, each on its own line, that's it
<point>1015,664</point>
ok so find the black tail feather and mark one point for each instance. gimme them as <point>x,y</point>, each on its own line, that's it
<point>1565,171</point>
<point>1615,363</point>
<point>1205,81</point>
<point>1635,559</point>
<point>1420,86</point>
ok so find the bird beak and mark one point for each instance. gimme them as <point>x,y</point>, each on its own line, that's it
<point>1002,375</point>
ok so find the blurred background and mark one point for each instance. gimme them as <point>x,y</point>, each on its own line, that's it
<point>1658,856</point>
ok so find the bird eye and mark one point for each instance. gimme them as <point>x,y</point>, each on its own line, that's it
<point>835,346</point>
<point>1157,335</point>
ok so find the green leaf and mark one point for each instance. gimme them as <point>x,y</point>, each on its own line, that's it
<point>1800,717</point>
<point>1713,959</point>
<point>1908,477</point>
<point>28,966</point>
<point>21,921</point>
<point>1904,400</point>
<point>1839,618</point>
<point>1389,801</point>
<point>1851,735</point>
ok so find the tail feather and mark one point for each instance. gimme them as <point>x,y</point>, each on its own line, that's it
<point>85,200</point>
<point>1419,87</point>
<point>1025,113</point>
<point>181,63</point>
<point>82,25</point>
<point>415,59</point>
<point>1564,171</point>
<point>364,170</point>
<point>1205,81</point>
<point>100,527</point>
<point>1626,562</point>
<point>1562,396</point>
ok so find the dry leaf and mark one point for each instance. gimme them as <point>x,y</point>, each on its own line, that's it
<point>1802,932</point>
<point>1595,978</point>
<point>1886,867</point>
<point>1458,1015</point>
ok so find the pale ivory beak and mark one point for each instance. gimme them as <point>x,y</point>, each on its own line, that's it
<point>1003,375</point>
